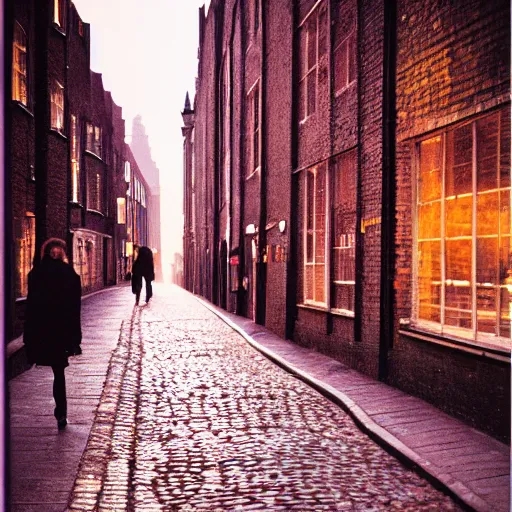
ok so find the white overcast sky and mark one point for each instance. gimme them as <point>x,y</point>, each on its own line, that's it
<point>147,54</point>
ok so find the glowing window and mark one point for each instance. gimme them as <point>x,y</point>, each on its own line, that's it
<point>57,107</point>
<point>19,65</point>
<point>463,283</point>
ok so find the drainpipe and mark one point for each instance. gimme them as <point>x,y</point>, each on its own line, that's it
<point>291,263</point>
<point>359,256</point>
<point>261,286</point>
<point>242,294</point>
<point>387,296</point>
<point>42,116</point>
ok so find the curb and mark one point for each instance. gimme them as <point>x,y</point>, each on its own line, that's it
<point>435,475</point>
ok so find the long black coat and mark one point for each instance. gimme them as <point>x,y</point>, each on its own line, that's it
<point>143,267</point>
<point>52,319</point>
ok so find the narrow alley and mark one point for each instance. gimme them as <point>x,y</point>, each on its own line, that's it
<point>186,415</point>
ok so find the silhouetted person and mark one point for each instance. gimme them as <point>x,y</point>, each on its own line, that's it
<point>143,267</point>
<point>52,319</point>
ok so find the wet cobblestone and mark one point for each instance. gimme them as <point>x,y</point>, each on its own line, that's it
<point>196,419</point>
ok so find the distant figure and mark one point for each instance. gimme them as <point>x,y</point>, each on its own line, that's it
<point>52,330</point>
<point>143,267</point>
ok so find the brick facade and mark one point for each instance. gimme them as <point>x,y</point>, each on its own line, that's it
<point>62,184</point>
<point>378,76</point>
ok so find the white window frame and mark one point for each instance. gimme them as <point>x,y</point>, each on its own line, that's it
<point>57,107</point>
<point>59,14</point>
<point>19,72</point>
<point>75,159</point>
<point>254,100</point>
<point>471,335</point>
<point>336,169</point>
<point>314,169</point>
<point>348,45</point>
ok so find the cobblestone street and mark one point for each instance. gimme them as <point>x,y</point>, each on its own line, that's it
<point>193,418</point>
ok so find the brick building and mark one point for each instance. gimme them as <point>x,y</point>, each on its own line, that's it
<point>347,184</point>
<point>65,153</point>
<point>141,149</point>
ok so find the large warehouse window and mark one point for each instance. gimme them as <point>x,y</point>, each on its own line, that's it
<point>463,283</point>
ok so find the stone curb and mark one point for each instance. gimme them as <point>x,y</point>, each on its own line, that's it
<point>435,475</point>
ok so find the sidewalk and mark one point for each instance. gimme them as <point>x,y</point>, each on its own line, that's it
<point>469,465</point>
<point>44,462</point>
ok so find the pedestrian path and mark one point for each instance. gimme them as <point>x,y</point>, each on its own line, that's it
<point>168,403</point>
<point>44,461</point>
<point>469,464</point>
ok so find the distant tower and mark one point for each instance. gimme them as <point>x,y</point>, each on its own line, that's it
<point>142,153</point>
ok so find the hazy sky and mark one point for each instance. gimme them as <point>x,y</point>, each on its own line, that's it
<point>147,54</point>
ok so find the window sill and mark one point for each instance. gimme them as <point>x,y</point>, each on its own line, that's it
<point>89,152</point>
<point>20,300</point>
<point>59,29</point>
<point>345,88</point>
<point>96,212</point>
<point>23,107</point>
<point>343,312</point>
<point>314,307</point>
<point>253,173</point>
<point>59,133</point>
<point>483,349</point>
<point>74,203</point>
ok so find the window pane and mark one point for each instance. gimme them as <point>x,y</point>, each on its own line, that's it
<point>459,161</point>
<point>308,283</point>
<point>302,99</point>
<point>488,213</point>
<point>303,47</point>
<point>487,152</point>
<point>320,212</point>
<point>311,41</point>
<point>431,154</point>
<point>505,148</point>
<point>506,308</point>
<point>487,261</point>
<point>458,216</point>
<point>458,283</point>
<point>344,296</point>
<point>429,280</point>
<point>322,31</point>
<point>505,219</point>
<point>486,309</point>
<point>311,79</point>
<point>340,66</point>
<point>319,283</point>
<point>429,220</point>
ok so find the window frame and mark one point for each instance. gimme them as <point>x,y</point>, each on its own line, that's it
<point>94,141</point>
<point>471,335</point>
<point>57,108</point>
<point>254,100</point>
<point>350,43</point>
<point>337,166</point>
<point>59,15</point>
<point>325,304</point>
<point>19,76</point>
<point>75,151</point>
<point>315,12</point>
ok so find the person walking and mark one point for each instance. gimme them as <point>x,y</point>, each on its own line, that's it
<point>52,331</point>
<point>143,267</point>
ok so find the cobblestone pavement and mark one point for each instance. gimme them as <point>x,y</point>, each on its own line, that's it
<point>193,418</point>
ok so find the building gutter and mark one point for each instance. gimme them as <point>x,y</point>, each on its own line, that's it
<point>387,276</point>
<point>292,253</point>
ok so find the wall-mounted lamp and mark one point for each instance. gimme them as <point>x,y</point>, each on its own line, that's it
<point>250,229</point>
<point>282,226</point>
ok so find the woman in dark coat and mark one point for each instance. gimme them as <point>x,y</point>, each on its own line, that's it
<point>52,320</point>
<point>143,267</point>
